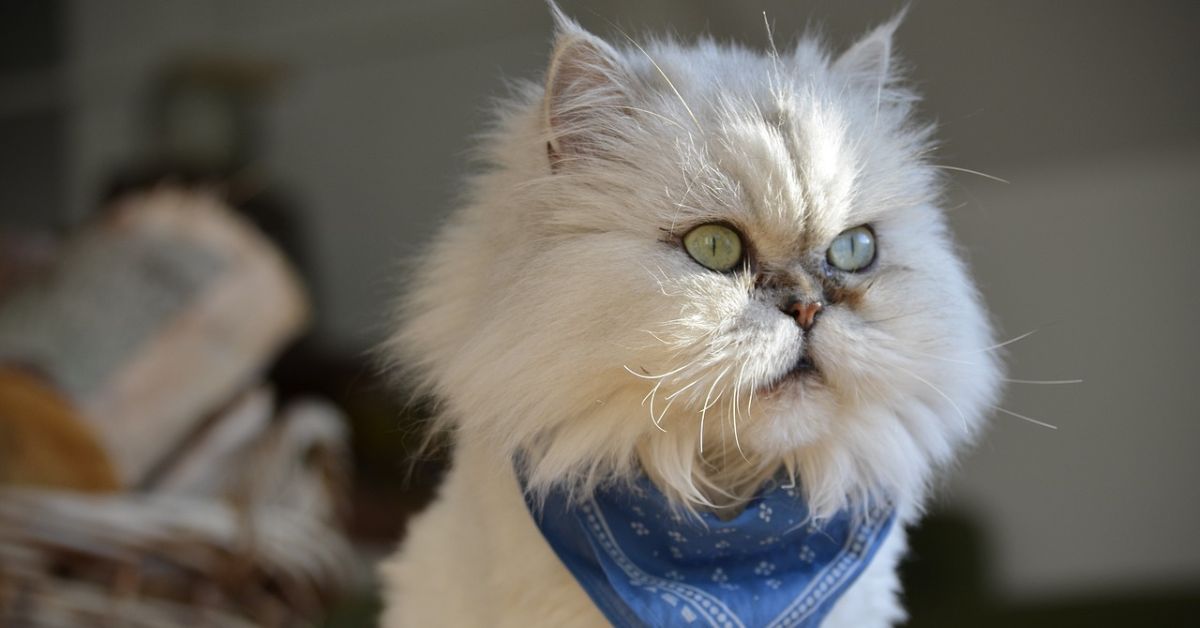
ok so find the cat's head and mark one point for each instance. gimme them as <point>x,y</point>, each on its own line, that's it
<point>711,262</point>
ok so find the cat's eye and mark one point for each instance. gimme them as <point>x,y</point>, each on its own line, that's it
<point>714,246</point>
<point>852,250</point>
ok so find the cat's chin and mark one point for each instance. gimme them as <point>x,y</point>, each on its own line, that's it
<point>805,372</point>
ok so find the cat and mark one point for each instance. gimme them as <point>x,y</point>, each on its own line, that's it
<point>700,269</point>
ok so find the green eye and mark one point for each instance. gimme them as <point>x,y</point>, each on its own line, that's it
<point>714,246</point>
<point>853,249</point>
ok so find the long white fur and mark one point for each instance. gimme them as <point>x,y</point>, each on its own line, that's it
<point>556,313</point>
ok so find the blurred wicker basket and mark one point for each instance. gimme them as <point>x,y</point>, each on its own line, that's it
<point>146,476</point>
<point>258,547</point>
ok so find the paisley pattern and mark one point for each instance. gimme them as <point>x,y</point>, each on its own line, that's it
<point>645,564</point>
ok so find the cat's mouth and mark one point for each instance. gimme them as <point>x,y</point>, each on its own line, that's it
<point>805,368</point>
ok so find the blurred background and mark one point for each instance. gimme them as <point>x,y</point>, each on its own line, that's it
<point>340,130</point>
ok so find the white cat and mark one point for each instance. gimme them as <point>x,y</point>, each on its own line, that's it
<point>706,266</point>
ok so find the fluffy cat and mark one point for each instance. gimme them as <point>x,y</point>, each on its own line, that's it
<point>701,263</point>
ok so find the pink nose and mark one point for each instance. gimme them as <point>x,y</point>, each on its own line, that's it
<point>805,312</point>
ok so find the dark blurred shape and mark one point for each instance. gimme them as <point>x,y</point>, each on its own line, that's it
<point>203,128</point>
<point>395,471</point>
<point>23,254</point>
<point>33,157</point>
<point>30,34</point>
<point>203,113</point>
<point>945,586</point>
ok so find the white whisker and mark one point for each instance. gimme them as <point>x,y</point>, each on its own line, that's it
<point>1043,382</point>
<point>671,397</point>
<point>704,410</point>
<point>942,358</point>
<point>776,75</point>
<point>737,391</point>
<point>1009,341</point>
<point>649,376</point>
<point>1023,417</point>
<point>665,78</point>
<point>687,192</point>
<point>714,400</point>
<point>974,172</point>
<point>961,415</point>
<point>658,421</point>
<point>652,395</point>
<point>655,114</point>
<point>655,336</point>
<point>750,401</point>
<point>771,40</point>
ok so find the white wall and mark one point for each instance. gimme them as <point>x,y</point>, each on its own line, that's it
<point>1099,256</point>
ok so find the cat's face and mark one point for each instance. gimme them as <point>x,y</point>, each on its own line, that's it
<point>712,263</point>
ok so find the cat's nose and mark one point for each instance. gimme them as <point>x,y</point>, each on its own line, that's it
<point>803,310</point>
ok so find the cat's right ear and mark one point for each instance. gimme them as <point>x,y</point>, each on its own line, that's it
<point>585,92</point>
<point>869,61</point>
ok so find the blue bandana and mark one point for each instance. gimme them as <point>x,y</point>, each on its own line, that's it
<point>644,564</point>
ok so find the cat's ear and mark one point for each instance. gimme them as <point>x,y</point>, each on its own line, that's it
<point>585,89</point>
<point>869,61</point>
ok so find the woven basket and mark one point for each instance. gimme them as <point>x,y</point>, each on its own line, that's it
<point>245,534</point>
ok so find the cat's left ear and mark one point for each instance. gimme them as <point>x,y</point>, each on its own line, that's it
<point>585,91</point>
<point>869,61</point>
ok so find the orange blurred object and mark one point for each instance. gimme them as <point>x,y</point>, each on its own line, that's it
<point>43,441</point>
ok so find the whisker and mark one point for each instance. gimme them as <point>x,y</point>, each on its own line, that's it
<point>687,192</point>
<point>649,376</point>
<point>935,357</point>
<point>776,75</point>
<point>961,415</point>
<point>714,400</point>
<point>658,421</point>
<point>655,336</point>
<point>898,316</point>
<point>655,114</point>
<point>665,77</point>
<point>652,395</point>
<point>1043,382</point>
<point>943,358</point>
<point>704,410</point>
<point>1009,341</point>
<point>750,402</point>
<point>737,391</point>
<point>771,39</point>
<point>1023,417</point>
<point>974,172</point>
<point>672,396</point>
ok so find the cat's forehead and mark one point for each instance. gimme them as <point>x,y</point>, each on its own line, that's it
<point>774,143</point>
<point>782,168</point>
<point>780,146</point>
